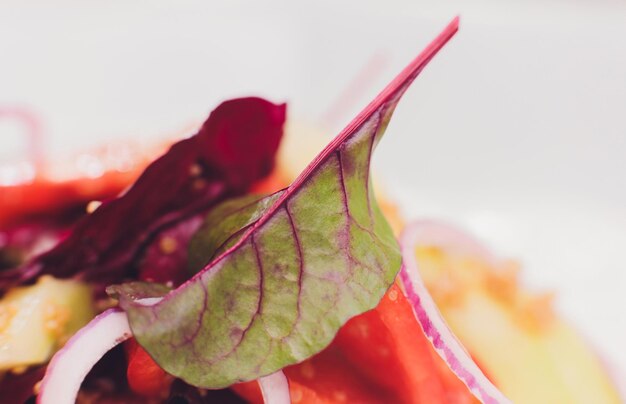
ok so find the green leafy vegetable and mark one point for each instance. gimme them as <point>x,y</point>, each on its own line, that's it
<point>224,225</point>
<point>289,270</point>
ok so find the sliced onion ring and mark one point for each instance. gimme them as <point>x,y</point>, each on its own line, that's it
<point>275,388</point>
<point>427,314</point>
<point>70,365</point>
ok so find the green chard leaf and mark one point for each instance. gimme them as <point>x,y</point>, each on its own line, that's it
<point>287,270</point>
<point>224,225</point>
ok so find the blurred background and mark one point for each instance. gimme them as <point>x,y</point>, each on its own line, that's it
<point>517,130</point>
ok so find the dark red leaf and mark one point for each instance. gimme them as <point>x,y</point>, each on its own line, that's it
<point>234,148</point>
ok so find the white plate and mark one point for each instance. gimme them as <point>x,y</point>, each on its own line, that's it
<point>516,130</point>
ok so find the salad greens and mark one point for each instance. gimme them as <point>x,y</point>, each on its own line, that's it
<point>284,272</point>
<point>312,257</point>
<point>224,225</point>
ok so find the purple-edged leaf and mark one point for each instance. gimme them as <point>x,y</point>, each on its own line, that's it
<point>235,147</point>
<point>318,255</point>
<point>224,225</point>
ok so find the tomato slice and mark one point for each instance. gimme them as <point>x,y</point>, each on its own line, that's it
<point>389,345</point>
<point>326,378</point>
<point>144,376</point>
<point>381,356</point>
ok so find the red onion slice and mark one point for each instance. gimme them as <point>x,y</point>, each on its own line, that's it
<point>275,388</point>
<point>427,314</point>
<point>70,365</point>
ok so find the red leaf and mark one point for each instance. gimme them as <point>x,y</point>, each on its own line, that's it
<point>234,148</point>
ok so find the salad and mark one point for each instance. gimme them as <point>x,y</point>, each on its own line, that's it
<point>211,276</point>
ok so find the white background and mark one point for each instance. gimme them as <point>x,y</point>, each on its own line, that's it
<point>517,130</point>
